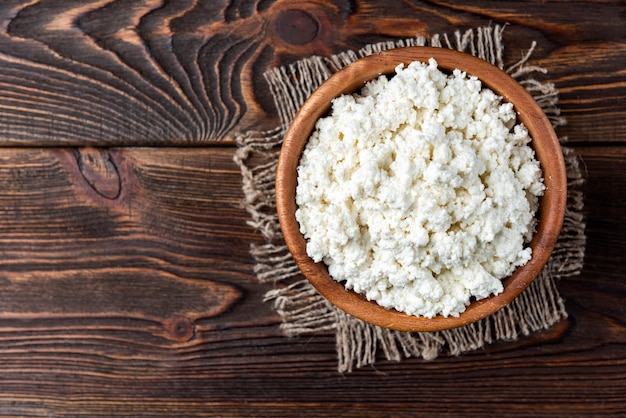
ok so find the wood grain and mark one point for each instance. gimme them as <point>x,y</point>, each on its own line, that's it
<point>146,305</point>
<point>585,89</point>
<point>127,288</point>
<point>110,73</point>
<point>146,255</point>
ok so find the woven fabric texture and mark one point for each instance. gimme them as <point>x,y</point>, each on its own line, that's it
<point>304,311</point>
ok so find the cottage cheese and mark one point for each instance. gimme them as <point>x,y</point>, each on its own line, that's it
<point>419,192</point>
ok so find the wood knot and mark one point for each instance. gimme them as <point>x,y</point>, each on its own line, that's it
<point>99,171</point>
<point>296,27</point>
<point>180,328</point>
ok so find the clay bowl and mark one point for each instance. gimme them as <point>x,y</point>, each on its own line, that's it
<point>351,79</point>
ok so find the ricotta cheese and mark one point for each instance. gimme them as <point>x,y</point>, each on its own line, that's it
<point>420,192</point>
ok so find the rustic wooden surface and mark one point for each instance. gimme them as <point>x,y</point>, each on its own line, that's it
<point>126,284</point>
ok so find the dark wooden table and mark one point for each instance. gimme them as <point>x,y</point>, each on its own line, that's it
<point>126,285</point>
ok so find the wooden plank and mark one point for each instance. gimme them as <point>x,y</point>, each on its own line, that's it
<point>169,72</point>
<point>160,253</point>
<point>146,304</point>
<point>593,93</point>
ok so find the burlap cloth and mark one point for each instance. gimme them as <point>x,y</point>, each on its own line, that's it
<point>304,311</point>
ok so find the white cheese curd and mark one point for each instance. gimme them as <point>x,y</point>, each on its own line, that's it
<point>420,192</point>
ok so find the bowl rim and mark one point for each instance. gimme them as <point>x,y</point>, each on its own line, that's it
<point>350,79</point>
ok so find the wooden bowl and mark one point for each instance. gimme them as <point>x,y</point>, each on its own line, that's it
<point>351,79</point>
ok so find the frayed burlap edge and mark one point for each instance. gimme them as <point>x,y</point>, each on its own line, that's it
<point>304,311</point>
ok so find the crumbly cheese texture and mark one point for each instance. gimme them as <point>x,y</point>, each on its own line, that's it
<point>420,192</point>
